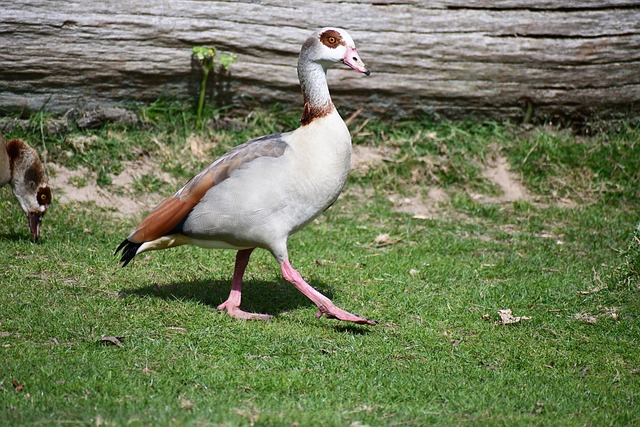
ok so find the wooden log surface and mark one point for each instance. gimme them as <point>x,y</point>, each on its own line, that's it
<point>574,58</point>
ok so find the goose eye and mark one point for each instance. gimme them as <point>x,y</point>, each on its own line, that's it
<point>44,196</point>
<point>331,39</point>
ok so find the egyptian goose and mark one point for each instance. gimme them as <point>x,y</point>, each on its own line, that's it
<point>21,166</point>
<point>261,192</point>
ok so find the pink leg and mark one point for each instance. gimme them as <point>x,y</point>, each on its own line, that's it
<point>232,304</point>
<point>325,306</point>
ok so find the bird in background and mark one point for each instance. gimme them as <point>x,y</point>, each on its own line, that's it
<point>21,167</point>
<point>261,192</point>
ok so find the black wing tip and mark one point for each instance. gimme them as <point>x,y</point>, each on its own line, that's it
<point>129,250</point>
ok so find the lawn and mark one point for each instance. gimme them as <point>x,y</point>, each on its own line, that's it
<point>431,238</point>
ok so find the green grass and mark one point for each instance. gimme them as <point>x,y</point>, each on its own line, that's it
<point>437,356</point>
<point>604,167</point>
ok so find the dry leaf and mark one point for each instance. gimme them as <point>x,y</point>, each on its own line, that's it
<point>611,311</point>
<point>593,318</point>
<point>538,408</point>
<point>179,329</point>
<point>592,290</point>
<point>506,317</point>
<point>586,317</point>
<point>17,386</point>
<point>185,404</point>
<point>253,415</point>
<point>384,240</point>
<point>117,341</point>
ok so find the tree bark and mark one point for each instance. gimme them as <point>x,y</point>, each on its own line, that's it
<point>455,58</point>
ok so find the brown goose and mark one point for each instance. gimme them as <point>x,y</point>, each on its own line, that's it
<point>266,189</point>
<point>21,166</point>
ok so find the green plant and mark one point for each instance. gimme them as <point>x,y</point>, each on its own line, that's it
<point>206,57</point>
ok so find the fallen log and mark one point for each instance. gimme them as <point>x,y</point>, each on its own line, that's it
<point>499,59</point>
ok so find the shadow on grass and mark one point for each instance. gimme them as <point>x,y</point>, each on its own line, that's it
<point>258,296</point>
<point>16,237</point>
<point>350,328</point>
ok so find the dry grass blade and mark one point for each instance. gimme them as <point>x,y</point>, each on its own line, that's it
<point>600,284</point>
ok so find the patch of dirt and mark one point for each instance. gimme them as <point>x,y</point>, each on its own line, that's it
<point>72,186</point>
<point>432,202</point>
<point>432,205</point>
<point>500,175</point>
<point>363,157</point>
<point>421,207</point>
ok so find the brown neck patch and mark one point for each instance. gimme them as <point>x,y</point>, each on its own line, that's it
<point>311,113</point>
<point>14,146</point>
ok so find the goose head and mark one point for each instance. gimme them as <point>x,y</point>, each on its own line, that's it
<point>328,46</point>
<point>29,183</point>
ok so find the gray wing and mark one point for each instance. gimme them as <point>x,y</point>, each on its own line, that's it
<point>264,146</point>
<point>173,210</point>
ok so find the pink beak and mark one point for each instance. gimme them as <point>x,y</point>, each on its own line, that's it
<point>34,224</point>
<point>352,59</point>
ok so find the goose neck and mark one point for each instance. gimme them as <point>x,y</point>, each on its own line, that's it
<point>315,91</point>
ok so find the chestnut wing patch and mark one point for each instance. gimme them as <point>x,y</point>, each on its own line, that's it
<point>168,214</point>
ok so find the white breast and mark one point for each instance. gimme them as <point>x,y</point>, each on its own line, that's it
<point>321,158</point>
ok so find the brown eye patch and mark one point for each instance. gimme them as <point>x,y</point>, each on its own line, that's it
<point>44,196</point>
<point>331,38</point>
